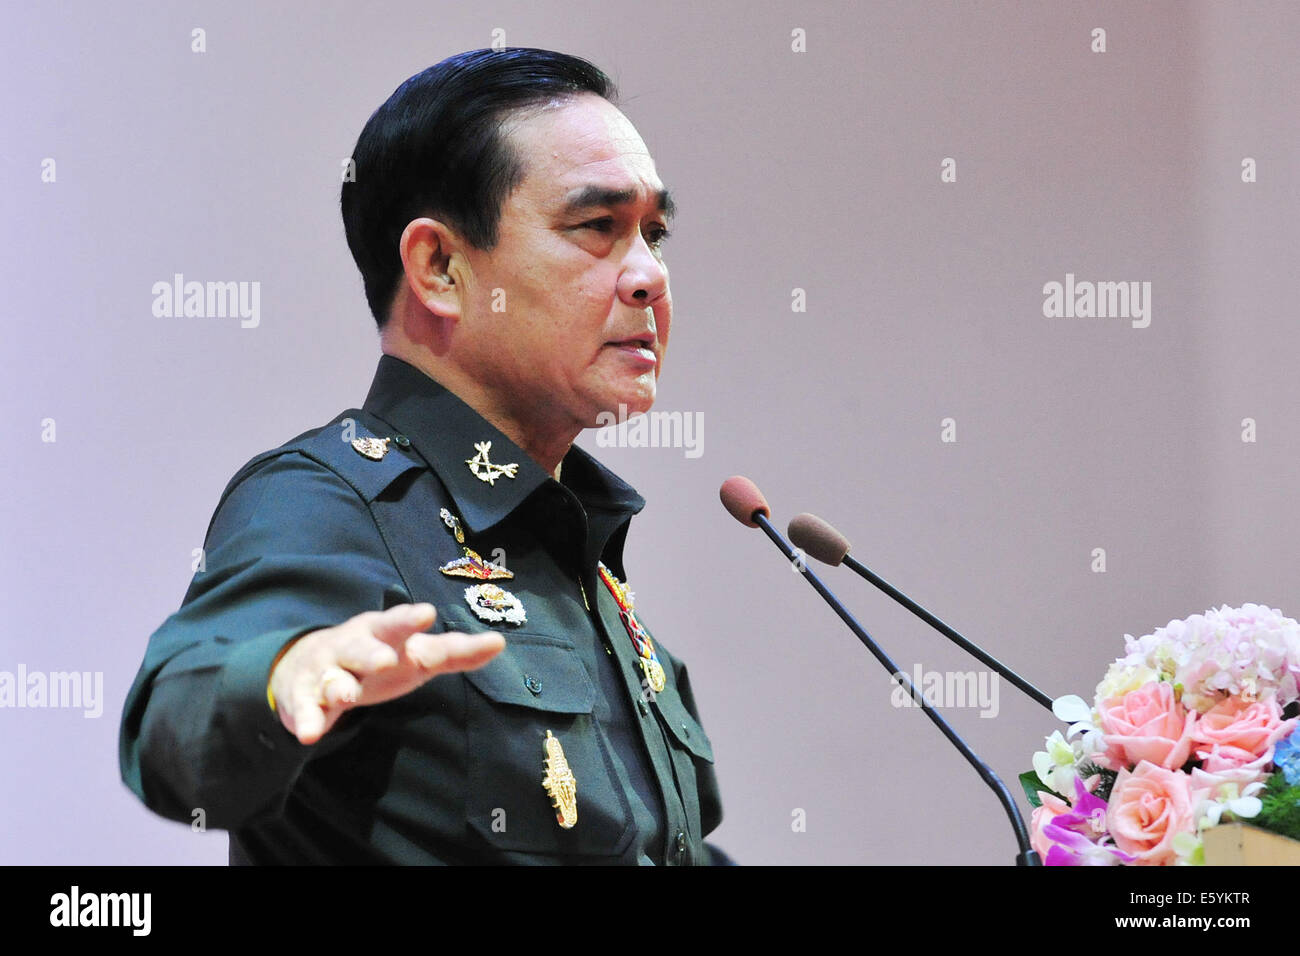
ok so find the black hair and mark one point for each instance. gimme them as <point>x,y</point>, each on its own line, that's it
<point>435,148</point>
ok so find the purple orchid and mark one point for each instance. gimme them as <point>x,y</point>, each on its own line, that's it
<point>1079,838</point>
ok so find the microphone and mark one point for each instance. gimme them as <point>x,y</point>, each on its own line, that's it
<point>819,539</point>
<point>746,503</point>
<point>742,498</point>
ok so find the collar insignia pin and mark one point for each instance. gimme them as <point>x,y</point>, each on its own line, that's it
<point>373,448</point>
<point>483,469</point>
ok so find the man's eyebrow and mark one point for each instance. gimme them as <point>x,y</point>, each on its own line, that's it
<point>587,197</point>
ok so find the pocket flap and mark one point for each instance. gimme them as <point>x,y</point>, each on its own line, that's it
<point>684,728</point>
<point>537,672</point>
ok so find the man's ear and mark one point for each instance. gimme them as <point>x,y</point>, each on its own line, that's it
<point>426,247</point>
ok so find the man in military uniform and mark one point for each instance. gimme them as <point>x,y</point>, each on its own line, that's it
<point>508,223</point>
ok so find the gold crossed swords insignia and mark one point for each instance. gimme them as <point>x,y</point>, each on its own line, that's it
<point>484,470</point>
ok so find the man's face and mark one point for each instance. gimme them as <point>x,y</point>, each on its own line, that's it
<point>581,290</point>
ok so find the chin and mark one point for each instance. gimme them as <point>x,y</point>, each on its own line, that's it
<point>622,409</point>
<point>639,402</point>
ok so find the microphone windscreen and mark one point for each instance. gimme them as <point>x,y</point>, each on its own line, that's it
<point>742,498</point>
<point>815,537</point>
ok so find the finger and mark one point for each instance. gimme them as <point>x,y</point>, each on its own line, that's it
<point>401,621</point>
<point>453,651</point>
<point>314,700</point>
<point>301,714</point>
<point>373,644</point>
<point>359,651</point>
<point>372,641</point>
<point>338,688</point>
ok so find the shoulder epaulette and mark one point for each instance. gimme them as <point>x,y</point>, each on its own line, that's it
<point>355,446</point>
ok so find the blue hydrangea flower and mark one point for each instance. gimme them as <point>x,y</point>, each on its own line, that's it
<point>1286,754</point>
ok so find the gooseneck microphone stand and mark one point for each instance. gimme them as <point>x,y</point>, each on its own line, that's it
<point>1027,855</point>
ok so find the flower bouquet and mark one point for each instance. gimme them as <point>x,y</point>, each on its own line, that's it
<point>1191,728</point>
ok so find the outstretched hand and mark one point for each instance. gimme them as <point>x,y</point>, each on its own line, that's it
<point>368,659</point>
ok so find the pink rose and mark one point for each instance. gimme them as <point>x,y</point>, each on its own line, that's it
<point>1213,776</point>
<point>1147,724</point>
<point>1148,807</point>
<point>1236,732</point>
<point>1051,807</point>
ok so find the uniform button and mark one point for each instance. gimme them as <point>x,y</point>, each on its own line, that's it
<point>402,441</point>
<point>681,846</point>
<point>642,706</point>
<point>686,731</point>
<point>533,684</point>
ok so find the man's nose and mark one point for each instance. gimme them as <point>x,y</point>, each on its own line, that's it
<point>645,277</point>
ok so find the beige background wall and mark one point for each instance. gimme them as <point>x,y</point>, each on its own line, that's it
<point>816,170</point>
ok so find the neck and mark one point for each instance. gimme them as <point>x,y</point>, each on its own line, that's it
<point>545,445</point>
<point>544,441</point>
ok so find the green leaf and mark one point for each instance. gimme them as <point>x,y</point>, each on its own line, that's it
<point>1281,811</point>
<point>1031,784</point>
<point>1102,792</point>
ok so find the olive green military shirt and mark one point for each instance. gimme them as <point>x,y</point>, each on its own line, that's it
<point>315,532</point>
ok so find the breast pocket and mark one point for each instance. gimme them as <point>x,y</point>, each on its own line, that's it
<point>539,685</point>
<point>684,729</point>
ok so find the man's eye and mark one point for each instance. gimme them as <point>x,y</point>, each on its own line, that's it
<point>656,235</point>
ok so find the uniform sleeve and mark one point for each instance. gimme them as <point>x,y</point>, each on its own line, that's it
<point>292,548</point>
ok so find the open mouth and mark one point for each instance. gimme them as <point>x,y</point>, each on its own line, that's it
<point>639,351</point>
<point>639,343</point>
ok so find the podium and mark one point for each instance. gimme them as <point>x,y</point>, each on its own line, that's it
<point>1239,844</point>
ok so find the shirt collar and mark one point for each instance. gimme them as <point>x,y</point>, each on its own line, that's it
<point>444,431</point>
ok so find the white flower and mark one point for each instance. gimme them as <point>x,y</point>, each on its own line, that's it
<point>1229,798</point>
<point>1055,766</point>
<point>1071,708</point>
<point>1074,710</point>
<point>1123,677</point>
